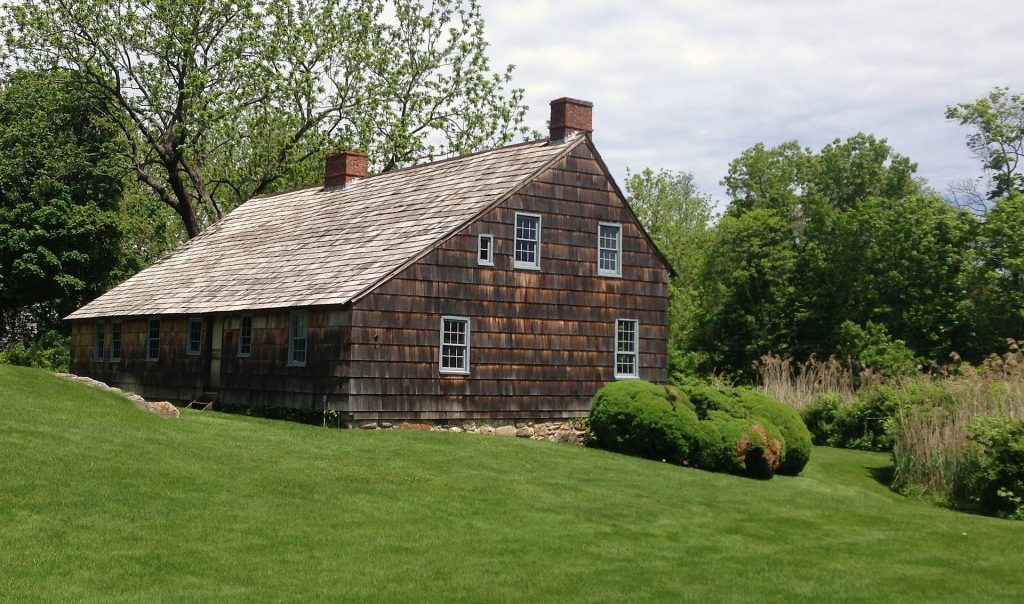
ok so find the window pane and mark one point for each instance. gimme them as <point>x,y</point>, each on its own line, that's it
<point>608,248</point>
<point>455,345</point>
<point>527,239</point>
<point>153,345</point>
<point>626,339</point>
<point>98,351</point>
<point>245,336</point>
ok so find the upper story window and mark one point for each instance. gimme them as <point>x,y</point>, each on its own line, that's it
<point>153,340</point>
<point>627,347</point>
<point>115,341</point>
<point>527,241</point>
<point>245,337</point>
<point>97,350</point>
<point>485,250</point>
<point>298,328</point>
<point>194,345</point>
<point>455,345</point>
<point>609,246</point>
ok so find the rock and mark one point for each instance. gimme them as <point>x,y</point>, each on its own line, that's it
<point>524,432</point>
<point>456,429</point>
<point>540,431</point>
<point>385,425</point>
<point>505,431</point>
<point>368,426</point>
<point>486,429</point>
<point>567,437</point>
<point>164,409</point>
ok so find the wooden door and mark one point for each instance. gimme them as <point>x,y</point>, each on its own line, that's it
<point>216,348</point>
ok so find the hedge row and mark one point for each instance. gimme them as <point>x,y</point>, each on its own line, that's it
<point>733,430</point>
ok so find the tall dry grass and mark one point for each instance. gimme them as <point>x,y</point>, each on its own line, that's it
<point>797,384</point>
<point>930,443</point>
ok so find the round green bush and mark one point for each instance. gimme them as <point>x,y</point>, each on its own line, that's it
<point>738,446</point>
<point>636,418</point>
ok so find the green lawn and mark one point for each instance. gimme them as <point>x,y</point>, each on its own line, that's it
<point>100,501</point>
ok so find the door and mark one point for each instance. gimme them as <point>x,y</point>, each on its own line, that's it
<point>216,347</point>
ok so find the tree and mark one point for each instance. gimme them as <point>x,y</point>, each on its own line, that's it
<point>61,183</point>
<point>677,216</point>
<point>221,100</point>
<point>997,140</point>
<point>1001,244</point>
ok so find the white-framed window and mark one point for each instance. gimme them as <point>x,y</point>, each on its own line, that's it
<point>97,349</point>
<point>194,342</point>
<point>115,340</point>
<point>627,348</point>
<point>298,328</point>
<point>153,340</point>
<point>527,241</point>
<point>485,250</point>
<point>609,249</point>
<point>245,336</point>
<point>455,345</point>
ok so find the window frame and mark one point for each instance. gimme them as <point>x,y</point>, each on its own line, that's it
<point>116,353</point>
<point>99,342</point>
<point>440,359</point>
<point>603,272</point>
<point>189,351</point>
<point>489,238</point>
<point>293,339</point>
<point>635,353</point>
<point>241,336</point>
<point>150,356</point>
<point>519,264</point>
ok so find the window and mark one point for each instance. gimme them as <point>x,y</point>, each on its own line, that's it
<point>298,326</point>
<point>609,242</point>
<point>455,345</point>
<point>527,241</point>
<point>485,250</point>
<point>627,345</point>
<point>153,340</point>
<point>245,337</point>
<point>115,341</point>
<point>97,351</point>
<point>194,345</point>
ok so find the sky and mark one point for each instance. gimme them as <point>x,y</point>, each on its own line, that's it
<point>688,85</point>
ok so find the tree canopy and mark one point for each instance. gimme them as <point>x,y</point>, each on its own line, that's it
<point>220,100</point>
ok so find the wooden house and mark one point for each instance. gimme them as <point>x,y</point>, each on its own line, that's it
<point>512,283</point>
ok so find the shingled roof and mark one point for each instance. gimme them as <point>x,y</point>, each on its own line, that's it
<point>325,247</point>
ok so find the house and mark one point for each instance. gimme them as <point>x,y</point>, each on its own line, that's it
<point>509,284</point>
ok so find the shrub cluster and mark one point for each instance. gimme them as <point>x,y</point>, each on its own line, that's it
<point>733,430</point>
<point>992,479</point>
<point>51,350</point>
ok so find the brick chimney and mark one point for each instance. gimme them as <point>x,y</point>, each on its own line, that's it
<point>570,117</point>
<point>343,167</point>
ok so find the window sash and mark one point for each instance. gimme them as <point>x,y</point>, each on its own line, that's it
<point>298,330</point>
<point>245,337</point>
<point>527,241</point>
<point>115,341</point>
<point>485,250</point>
<point>454,351</point>
<point>609,246</point>
<point>627,348</point>
<point>153,340</point>
<point>195,337</point>
<point>98,341</point>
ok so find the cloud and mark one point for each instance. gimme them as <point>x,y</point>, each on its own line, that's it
<point>690,85</point>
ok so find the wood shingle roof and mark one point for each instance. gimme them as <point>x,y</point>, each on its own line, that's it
<point>325,247</point>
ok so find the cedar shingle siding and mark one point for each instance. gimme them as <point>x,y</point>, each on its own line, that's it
<point>376,265</point>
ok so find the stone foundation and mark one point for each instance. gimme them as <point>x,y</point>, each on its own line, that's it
<point>568,431</point>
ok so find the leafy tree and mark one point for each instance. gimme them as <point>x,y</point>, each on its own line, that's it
<point>221,100</point>
<point>1001,251</point>
<point>997,140</point>
<point>61,182</point>
<point>678,217</point>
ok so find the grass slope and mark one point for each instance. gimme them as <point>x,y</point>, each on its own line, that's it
<point>100,501</point>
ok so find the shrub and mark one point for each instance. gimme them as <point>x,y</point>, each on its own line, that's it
<point>872,346</point>
<point>50,350</point>
<point>636,418</point>
<point>821,416</point>
<point>993,477</point>
<point>713,428</point>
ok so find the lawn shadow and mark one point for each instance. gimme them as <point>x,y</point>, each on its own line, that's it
<point>883,475</point>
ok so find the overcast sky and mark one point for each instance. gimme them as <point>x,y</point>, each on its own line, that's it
<point>688,85</point>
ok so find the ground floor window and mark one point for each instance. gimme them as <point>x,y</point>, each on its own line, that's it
<point>297,333</point>
<point>245,337</point>
<point>627,346</point>
<point>97,351</point>
<point>455,345</point>
<point>195,337</point>
<point>153,340</point>
<point>115,341</point>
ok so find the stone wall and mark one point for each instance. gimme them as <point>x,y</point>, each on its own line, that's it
<point>568,431</point>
